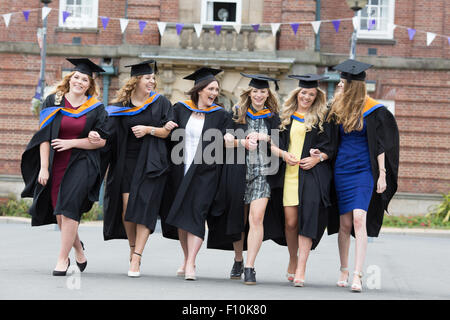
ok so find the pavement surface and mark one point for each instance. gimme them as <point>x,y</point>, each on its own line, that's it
<point>399,265</point>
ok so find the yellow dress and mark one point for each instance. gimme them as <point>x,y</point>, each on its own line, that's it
<point>296,140</point>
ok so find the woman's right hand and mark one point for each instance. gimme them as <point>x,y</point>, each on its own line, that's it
<point>229,140</point>
<point>291,159</point>
<point>43,176</point>
<point>251,144</point>
<point>94,137</point>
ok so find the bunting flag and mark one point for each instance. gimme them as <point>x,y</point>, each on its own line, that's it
<point>26,14</point>
<point>142,25</point>
<point>255,27</point>
<point>218,28</point>
<point>179,27</point>
<point>123,24</point>
<point>237,28</point>
<point>105,21</point>
<point>45,12</point>
<point>448,39</point>
<point>316,26</point>
<point>371,24</point>
<point>275,27</point>
<point>355,21</point>
<point>295,27</point>
<point>198,29</point>
<point>411,33</point>
<point>336,24</point>
<point>65,15</point>
<point>430,37</point>
<point>7,18</point>
<point>161,27</point>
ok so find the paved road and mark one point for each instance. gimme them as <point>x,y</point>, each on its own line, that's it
<point>411,267</point>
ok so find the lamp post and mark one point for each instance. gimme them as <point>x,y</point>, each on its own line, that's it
<point>355,5</point>
<point>43,53</point>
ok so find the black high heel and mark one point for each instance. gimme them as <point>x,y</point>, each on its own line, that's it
<point>83,265</point>
<point>61,273</point>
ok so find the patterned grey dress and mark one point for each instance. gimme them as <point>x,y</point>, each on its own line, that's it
<point>257,162</point>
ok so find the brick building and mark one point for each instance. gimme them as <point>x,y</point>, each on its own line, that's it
<point>413,79</point>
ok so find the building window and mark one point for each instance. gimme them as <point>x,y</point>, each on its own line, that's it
<point>223,11</point>
<point>83,13</point>
<point>389,104</point>
<point>375,20</point>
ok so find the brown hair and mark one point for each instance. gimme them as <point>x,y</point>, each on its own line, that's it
<point>193,93</point>
<point>347,107</point>
<point>315,115</point>
<point>124,94</point>
<point>63,87</point>
<point>240,110</point>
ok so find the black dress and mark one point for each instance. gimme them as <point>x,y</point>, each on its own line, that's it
<point>226,221</point>
<point>382,136</point>
<point>188,197</point>
<point>81,182</point>
<point>136,166</point>
<point>314,185</point>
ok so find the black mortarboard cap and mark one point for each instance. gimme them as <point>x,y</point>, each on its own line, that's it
<point>202,74</point>
<point>309,80</point>
<point>141,68</point>
<point>85,66</point>
<point>260,81</point>
<point>353,70</point>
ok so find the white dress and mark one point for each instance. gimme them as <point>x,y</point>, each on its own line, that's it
<point>194,128</point>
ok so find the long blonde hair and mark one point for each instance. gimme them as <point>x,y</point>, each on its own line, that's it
<point>63,87</point>
<point>124,94</point>
<point>347,107</point>
<point>315,115</point>
<point>240,110</point>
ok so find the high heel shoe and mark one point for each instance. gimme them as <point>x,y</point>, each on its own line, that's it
<point>299,282</point>
<point>343,283</point>
<point>190,276</point>
<point>82,265</point>
<point>62,273</point>
<point>290,276</point>
<point>137,274</point>
<point>357,287</point>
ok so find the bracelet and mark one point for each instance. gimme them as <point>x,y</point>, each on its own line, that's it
<point>383,169</point>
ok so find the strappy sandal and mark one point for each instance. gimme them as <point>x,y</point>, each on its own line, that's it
<point>343,283</point>
<point>357,287</point>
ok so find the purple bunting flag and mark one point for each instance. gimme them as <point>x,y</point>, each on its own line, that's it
<point>255,27</point>
<point>371,24</point>
<point>411,33</point>
<point>105,21</point>
<point>142,25</point>
<point>179,27</point>
<point>448,38</point>
<point>26,14</point>
<point>336,24</point>
<point>295,27</point>
<point>218,28</point>
<point>65,15</point>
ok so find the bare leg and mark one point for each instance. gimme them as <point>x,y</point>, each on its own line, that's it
<point>359,220</point>
<point>130,227</point>
<point>256,231</point>
<point>238,246</point>
<point>304,244</point>
<point>346,222</point>
<point>291,231</point>
<point>193,243</point>
<point>69,230</point>
<point>182,235</point>
<point>79,253</point>
<point>142,234</point>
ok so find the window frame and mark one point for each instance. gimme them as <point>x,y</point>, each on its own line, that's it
<point>92,21</point>
<point>204,13</point>
<point>388,34</point>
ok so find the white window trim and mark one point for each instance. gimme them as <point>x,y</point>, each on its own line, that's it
<point>209,22</point>
<point>93,21</point>
<point>374,34</point>
<point>389,104</point>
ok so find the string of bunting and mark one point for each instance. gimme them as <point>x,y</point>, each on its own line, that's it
<point>218,28</point>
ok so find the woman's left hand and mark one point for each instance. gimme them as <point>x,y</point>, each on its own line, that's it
<point>140,131</point>
<point>381,184</point>
<point>309,162</point>
<point>62,144</point>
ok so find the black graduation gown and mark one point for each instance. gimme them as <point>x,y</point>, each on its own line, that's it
<point>81,182</point>
<point>149,177</point>
<point>226,222</point>
<point>188,198</point>
<point>382,136</point>
<point>313,185</point>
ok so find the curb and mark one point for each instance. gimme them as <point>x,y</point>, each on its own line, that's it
<point>19,220</point>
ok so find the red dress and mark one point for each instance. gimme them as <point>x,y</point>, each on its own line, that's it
<point>70,128</point>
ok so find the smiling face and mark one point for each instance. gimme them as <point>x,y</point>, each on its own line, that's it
<point>259,97</point>
<point>306,97</point>
<point>147,83</point>
<point>208,94</point>
<point>79,83</point>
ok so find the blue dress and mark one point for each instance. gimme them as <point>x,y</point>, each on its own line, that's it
<point>352,173</point>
